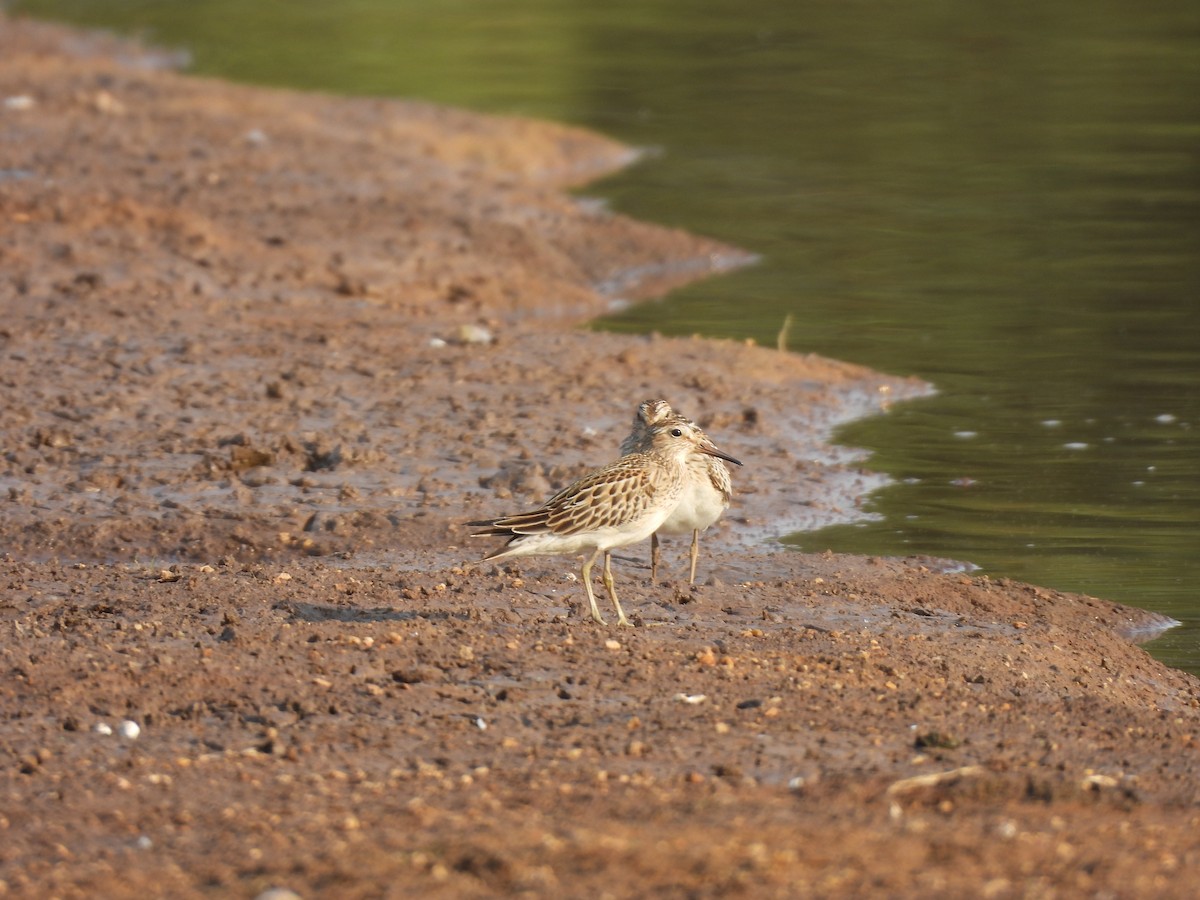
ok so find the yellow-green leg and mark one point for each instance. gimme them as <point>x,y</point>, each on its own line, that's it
<point>695,554</point>
<point>612,591</point>
<point>587,585</point>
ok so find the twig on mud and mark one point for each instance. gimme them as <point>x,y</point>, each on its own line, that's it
<point>933,779</point>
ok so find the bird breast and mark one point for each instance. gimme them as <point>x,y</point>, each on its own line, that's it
<point>705,497</point>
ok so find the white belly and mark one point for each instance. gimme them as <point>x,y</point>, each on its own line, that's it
<point>607,538</point>
<point>700,506</point>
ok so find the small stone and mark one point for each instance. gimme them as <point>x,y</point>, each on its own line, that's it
<point>1007,830</point>
<point>129,730</point>
<point>473,334</point>
<point>106,103</point>
<point>936,740</point>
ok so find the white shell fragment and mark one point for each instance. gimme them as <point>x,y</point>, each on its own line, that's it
<point>693,699</point>
<point>103,728</point>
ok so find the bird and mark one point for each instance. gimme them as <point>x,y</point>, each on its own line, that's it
<point>622,503</point>
<point>707,490</point>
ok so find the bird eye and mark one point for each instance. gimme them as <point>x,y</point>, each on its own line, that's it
<point>676,432</point>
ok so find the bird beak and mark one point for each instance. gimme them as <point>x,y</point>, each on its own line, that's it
<point>719,454</point>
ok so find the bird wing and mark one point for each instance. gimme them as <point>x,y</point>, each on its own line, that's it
<point>618,493</point>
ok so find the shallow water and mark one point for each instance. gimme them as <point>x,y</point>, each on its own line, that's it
<point>1004,202</point>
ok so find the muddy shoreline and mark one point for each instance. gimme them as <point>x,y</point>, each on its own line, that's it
<point>264,352</point>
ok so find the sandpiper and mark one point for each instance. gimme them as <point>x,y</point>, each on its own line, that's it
<point>621,504</point>
<point>707,490</point>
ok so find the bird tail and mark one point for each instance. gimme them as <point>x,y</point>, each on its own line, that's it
<point>512,526</point>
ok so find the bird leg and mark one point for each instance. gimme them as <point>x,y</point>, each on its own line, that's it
<point>587,584</point>
<point>612,590</point>
<point>654,557</point>
<point>695,553</point>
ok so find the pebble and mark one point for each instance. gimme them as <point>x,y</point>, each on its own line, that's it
<point>473,334</point>
<point>129,730</point>
<point>103,728</point>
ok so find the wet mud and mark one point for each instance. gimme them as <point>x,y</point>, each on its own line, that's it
<point>263,354</point>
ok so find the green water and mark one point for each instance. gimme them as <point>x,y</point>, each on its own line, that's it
<point>1001,198</point>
